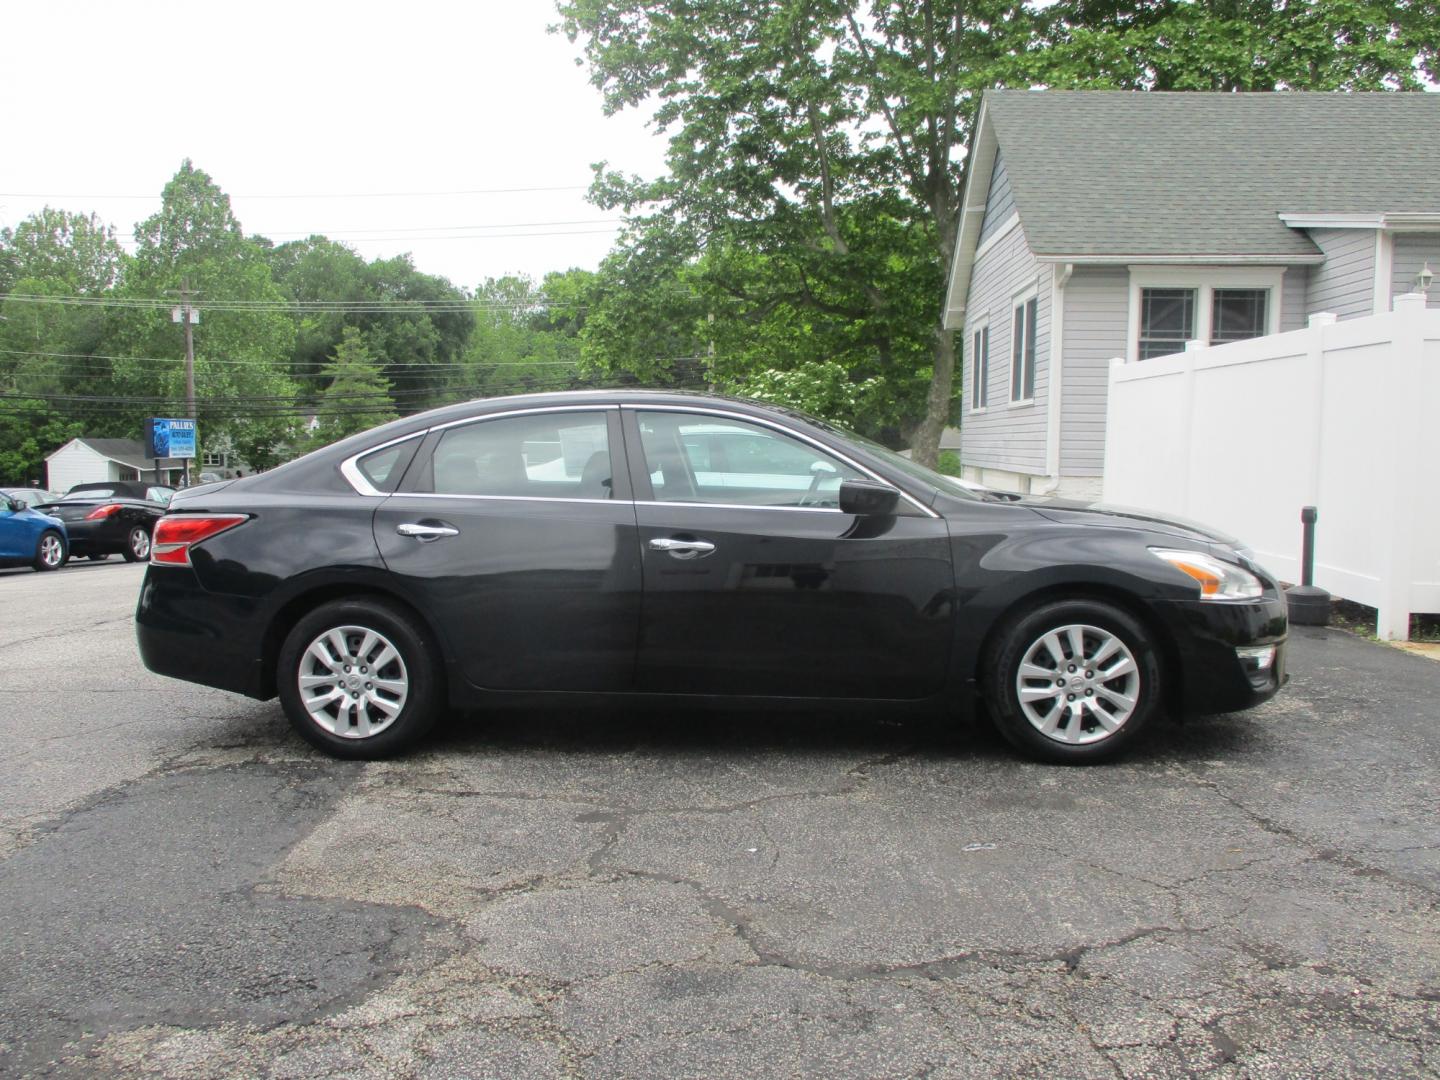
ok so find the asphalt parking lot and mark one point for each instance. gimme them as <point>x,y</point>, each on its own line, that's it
<point>187,890</point>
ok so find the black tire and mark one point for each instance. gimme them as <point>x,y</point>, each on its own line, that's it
<point>99,557</point>
<point>1082,704</point>
<point>418,668</point>
<point>137,544</point>
<point>51,551</point>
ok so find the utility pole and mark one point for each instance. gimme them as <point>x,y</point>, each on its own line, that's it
<point>189,316</point>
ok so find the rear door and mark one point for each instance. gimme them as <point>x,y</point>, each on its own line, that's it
<point>756,583</point>
<point>516,533</point>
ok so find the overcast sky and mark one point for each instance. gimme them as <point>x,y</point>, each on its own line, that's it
<point>334,102</point>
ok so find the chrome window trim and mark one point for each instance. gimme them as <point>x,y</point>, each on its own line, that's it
<point>510,498</point>
<point>522,412</point>
<point>350,469</point>
<point>741,506</point>
<point>776,425</point>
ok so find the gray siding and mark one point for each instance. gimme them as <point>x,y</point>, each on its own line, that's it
<point>1003,437</point>
<point>1412,250</point>
<point>1097,301</point>
<point>1293,287</point>
<point>1345,282</point>
<point>999,202</point>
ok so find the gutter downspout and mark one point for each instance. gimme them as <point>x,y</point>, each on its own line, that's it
<point>1056,385</point>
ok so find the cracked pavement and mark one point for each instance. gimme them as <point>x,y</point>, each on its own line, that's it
<point>187,890</point>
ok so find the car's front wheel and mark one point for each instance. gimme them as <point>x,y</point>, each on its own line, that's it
<point>137,544</point>
<point>1073,681</point>
<point>50,553</point>
<point>358,679</point>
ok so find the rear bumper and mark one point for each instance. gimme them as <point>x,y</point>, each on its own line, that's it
<point>187,633</point>
<point>95,537</point>
<point>1213,678</point>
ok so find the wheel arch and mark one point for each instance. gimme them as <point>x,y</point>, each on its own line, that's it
<point>1167,649</point>
<point>296,607</point>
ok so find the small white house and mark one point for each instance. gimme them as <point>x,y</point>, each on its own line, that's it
<point>1105,224</point>
<point>92,461</point>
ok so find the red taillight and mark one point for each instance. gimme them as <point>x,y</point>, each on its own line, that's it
<point>173,537</point>
<point>103,511</point>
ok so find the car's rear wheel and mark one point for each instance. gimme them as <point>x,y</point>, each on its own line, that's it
<point>1073,681</point>
<point>358,679</point>
<point>137,544</point>
<point>50,552</point>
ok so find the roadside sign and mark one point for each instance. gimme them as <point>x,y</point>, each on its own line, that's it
<point>170,438</point>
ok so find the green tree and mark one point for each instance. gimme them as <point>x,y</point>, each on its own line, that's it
<point>810,206</point>
<point>358,394</point>
<point>1243,45</point>
<point>813,185</point>
<point>29,430</point>
<point>55,267</point>
<point>245,339</point>
<point>517,344</point>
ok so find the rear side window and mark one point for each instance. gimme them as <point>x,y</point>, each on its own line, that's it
<point>384,468</point>
<point>541,455</point>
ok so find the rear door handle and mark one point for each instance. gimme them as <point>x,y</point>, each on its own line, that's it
<point>426,533</point>
<point>682,549</point>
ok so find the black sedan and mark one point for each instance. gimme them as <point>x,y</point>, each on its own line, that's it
<point>111,517</point>
<point>588,545</point>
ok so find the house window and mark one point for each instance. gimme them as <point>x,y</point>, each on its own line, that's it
<point>1237,314</point>
<point>1022,351</point>
<point>1167,321</point>
<point>980,368</point>
<point>213,459</point>
<point>1171,305</point>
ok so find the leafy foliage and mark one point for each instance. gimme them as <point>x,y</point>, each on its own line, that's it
<point>358,394</point>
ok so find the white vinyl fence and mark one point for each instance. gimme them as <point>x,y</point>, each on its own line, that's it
<point>1342,416</point>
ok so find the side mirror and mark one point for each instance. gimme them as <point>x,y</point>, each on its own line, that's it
<point>13,505</point>
<point>868,498</point>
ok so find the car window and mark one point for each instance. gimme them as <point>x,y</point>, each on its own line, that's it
<point>88,494</point>
<point>162,495</point>
<point>541,455</point>
<point>384,468</point>
<point>695,458</point>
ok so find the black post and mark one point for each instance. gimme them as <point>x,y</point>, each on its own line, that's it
<point>1308,605</point>
<point>1308,517</point>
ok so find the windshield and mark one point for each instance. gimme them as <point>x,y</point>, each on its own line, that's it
<point>950,485</point>
<point>88,494</point>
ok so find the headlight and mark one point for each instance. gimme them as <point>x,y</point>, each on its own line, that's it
<point>1218,580</point>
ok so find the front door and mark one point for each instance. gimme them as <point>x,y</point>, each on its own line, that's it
<point>756,582</point>
<point>518,537</point>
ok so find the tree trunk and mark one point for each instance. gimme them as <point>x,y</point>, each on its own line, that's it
<point>926,447</point>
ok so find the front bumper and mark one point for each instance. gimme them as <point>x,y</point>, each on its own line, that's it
<point>1211,676</point>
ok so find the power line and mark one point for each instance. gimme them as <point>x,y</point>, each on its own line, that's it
<point>314,195</point>
<point>388,364</point>
<point>293,307</point>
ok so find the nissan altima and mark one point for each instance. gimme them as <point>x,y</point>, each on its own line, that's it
<point>622,544</point>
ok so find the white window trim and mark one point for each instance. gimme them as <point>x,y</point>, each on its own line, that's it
<point>981,322</point>
<point>1017,301</point>
<point>1204,280</point>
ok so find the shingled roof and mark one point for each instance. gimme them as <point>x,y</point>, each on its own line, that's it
<point>126,451</point>
<point>1100,175</point>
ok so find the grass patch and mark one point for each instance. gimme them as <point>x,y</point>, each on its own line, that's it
<point>1359,619</point>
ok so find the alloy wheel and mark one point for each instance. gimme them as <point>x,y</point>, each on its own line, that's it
<point>353,682</point>
<point>52,551</point>
<point>140,543</point>
<point>1078,684</point>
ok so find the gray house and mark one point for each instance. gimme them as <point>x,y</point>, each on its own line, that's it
<point>1098,225</point>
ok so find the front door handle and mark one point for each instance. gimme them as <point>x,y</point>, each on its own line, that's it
<point>426,533</point>
<point>682,549</point>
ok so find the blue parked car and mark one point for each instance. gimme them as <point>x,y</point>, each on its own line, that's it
<point>28,536</point>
